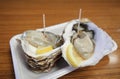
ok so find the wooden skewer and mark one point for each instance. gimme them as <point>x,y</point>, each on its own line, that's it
<point>80,11</point>
<point>44,23</point>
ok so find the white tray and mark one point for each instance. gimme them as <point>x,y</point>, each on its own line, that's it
<point>61,68</point>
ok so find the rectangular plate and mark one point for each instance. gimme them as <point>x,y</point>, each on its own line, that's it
<point>22,72</point>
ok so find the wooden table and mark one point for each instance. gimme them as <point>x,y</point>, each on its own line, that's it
<point>17,16</point>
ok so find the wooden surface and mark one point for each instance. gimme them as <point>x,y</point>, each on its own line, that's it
<point>17,16</point>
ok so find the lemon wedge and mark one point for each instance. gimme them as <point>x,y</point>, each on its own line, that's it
<point>72,56</point>
<point>43,50</point>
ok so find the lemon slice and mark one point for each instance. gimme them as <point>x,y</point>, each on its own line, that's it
<point>72,56</point>
<point>43,50</point>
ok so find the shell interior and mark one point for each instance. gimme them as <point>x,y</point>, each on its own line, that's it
<point>82,40</point>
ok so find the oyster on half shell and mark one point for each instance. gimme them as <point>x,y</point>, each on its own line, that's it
<point>41,49</point>
<point>79,44</point>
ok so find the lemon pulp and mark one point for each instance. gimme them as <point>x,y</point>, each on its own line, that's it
<point>43,50</point>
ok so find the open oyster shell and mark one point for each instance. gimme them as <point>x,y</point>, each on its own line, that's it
<point>103,45</point>
<point>32,40</point>
<point>79,43</point>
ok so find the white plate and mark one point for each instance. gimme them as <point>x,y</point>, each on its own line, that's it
<point>61,68</point>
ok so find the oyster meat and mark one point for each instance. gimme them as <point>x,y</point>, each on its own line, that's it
<point>41,49</point>
<point>79,43</point>
<point>83,44</point>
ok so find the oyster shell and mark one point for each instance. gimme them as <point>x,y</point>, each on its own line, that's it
<point>79,44</point>
<point>36,41</point>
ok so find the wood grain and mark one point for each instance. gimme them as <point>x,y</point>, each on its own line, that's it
<point>17,16</point>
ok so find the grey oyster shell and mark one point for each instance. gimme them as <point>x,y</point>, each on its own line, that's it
<point>43,63</point>
<point>31,40</point>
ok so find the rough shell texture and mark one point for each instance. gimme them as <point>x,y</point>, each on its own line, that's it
<point>44,63</point>
<point>31,40</point>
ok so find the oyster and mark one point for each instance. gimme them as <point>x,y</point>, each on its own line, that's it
<point>83,44</point>
<point>79,44</point>
<point>41,49</point>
